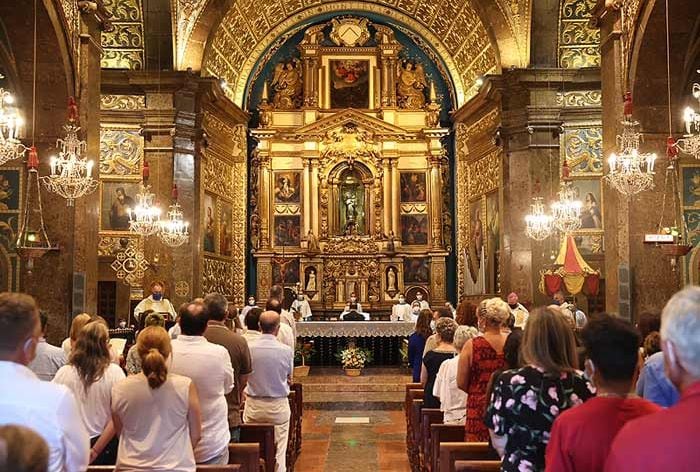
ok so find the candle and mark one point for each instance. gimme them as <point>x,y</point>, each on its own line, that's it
<point>433,95</point>
<point>52,163</point>
<point>265,92</point>
<point>688,116</point>
<point>612,162</point>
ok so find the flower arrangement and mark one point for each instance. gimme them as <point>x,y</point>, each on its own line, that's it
<point>353,357</point>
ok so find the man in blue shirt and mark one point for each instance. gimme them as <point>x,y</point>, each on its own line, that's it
<point>653,383</point>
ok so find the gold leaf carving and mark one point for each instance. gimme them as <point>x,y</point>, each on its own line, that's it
<point>484,174</point>
<point>122,102</point>
<point>579,98</point>
<point>217,276</point>
<point>121,151</point>
<point>123,46</point>
<point>351,245</point>
<point>578,41</point>
<point>583,149</point>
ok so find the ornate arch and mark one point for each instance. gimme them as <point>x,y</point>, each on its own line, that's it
<point>226,38</point>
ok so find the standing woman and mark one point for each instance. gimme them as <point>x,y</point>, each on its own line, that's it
<point>526,401</point>
<point>433,359</point>
<point>479,358</point>
<point>156,414</point>
<point>90,375</point>
<point>416,342</point>
<point>75,326</point>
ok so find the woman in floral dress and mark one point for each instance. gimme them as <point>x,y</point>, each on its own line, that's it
<point>479,359</point>
<point>526,401</point>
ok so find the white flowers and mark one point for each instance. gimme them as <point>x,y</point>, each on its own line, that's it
<point>354,357</point>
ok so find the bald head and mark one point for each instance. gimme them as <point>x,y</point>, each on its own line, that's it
<point>193,319</point>
<point>269,322</point>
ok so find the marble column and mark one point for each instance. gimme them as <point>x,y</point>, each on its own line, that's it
<point>307,208</point>
<point>395,201</point>
<point>386,182</point>
<point>314,197</point>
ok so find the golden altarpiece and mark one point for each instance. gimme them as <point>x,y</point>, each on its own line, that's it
<point>347,174</point>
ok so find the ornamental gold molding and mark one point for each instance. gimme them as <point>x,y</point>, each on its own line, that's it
<point>217,276</point>
<point>582,147</point>
<point>486,124</point>
<point>122,102</point>
<point>456,32</point>
<point>123,46</point>
<point>579,42</point>
<point>579,98</point>
<point>71,16</point>
<point>186,15</point>
<point>351,245</point>
<point>462,200</point>
<point>484,173</point>
<point>121,151</point>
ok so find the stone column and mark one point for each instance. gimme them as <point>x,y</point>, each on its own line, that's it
<point>307,208</point>
<point>395,201</point>
<point>265,224</point>
<point>314,197</point>
<point>435,202</point>
<point>386,183</point>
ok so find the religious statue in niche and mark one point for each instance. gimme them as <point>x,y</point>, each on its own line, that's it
<point>352,216</point>
<point>287,85</point>
<point>311,281</point>
<point>349,83</point>
<point>287,187</point>
<point>391,280</point>
<point>312,246</point>
<point>412,85</point>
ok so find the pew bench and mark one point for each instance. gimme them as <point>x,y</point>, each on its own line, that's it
<point>451,452</point>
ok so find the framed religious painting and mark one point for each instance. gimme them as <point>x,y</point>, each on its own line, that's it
<point>414,230</point>
<point>116,198</point>
<point>413,187</point>
<point>285,271</point>
<point>287,187</point>
<point>493,242</point>
<point>210,225</point>
<point>349,83</point>
<point>225,228</point>
<point>287,230</point>
<point>691,186</point>
<point>589,244</point>
<point>10,189</point>
<point>588,191</point>
<point>416,270</point>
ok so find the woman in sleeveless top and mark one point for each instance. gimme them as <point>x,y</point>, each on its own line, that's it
<point>479,358</point>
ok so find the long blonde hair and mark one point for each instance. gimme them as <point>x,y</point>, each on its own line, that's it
<point>548,341</point>
<point>90,356</point>
<point>153,346</point>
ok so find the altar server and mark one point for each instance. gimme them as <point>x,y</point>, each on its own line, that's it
<point>354,306</point>
<point>424,305</point>
<point>402,310</point>
<point>301,306</point>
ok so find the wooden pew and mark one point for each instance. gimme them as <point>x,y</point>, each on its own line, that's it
<point>477,466</point>
<point>440,433</point>
<point>414,444</point>
<point>262,434</point>
<point>411,445</point>
<point>200,468</point>
<point>428,417</point>
<point>292,438</point>
<point>298,390</point>
<point>451,452</point>
<point>247,455</point>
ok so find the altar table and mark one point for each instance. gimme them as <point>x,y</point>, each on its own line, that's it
<point>383,338</point>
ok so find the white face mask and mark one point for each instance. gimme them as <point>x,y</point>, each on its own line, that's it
<point>251,302</point>
<point>432,325</point>
<point>402,300</point>
<point>122,324</point>
<point>419,297</point>
<point>416,310</point>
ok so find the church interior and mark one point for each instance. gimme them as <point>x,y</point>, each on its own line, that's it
<point>366,158</point>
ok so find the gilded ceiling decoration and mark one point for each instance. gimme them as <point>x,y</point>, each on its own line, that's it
<point>453,29</point>
<point>579,42</point>
<point>186,14</point>
<point>123,46</point>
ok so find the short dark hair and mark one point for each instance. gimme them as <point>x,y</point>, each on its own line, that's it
<point>613,345</point>
<point>252,319</point>
<point>193,319</point>
<point>216,306</point>
<point>18,320</point>
<point>273,304</point>
<point>44,319</point>
<point>444,312</point>
<point>277,291</point>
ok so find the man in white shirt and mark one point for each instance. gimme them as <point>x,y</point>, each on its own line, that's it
<point>285,335</point>
<point>517,311</point>
<point>268,385</point>
<point>156,302</point>
<point>401,311</point>
<point>424,305</point>
<point>209,367</point>
<point>286,317</point>
<point>48,358</point>
<point>47,408</point>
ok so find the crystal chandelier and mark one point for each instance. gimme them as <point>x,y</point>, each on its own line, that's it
<point>10,128</point>
<point>566,212</point>
<point>71,172</point>
<point>174,230</point>
<point>630,171</point>
<point>538,224</point>
<point>690,142</point>
<point>144,218</point>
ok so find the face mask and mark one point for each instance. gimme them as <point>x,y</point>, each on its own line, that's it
<point>122,324</point>
<point>432,325</point>
<point>157,296</point>
<point>419,297</point>
<point>402,301</point>
<point>251,302</point>
<point>416,310</point>
<point>300,298</point>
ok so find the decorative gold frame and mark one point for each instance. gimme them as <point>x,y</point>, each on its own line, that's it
<point>358,54</point>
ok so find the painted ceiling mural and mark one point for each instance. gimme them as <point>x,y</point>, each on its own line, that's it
<point>454,29</point>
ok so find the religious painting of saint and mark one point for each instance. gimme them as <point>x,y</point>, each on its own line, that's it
<point>285,271</point>
<point>226,229</point>
<point>493,242</point>
<point>414,230</point>
<point>416,270</point>
<point>349,84</point>
<point>413,187</point>
<point>412,85</point>
<point>691,186</point>
<point>287,230</point>
<point>209,238</point>
<point>476,240</point>
<point>287,187</point>
<point>9,189</point>
<point>117,199</point>
<point>588,192</point>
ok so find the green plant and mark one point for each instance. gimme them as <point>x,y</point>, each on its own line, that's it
<point>353,357</point>
<point>302,352</point>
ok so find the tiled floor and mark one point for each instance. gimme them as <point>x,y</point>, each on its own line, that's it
<point>377,446</point>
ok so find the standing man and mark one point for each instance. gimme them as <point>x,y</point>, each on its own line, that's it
<point>156,302</point>
<point>209,367</point>
<point>268,384</point>
<point>301,306</point>
<point>45,407</point>
<point>286,316</point>
<point>518,312</point>
<point>424,305</point>
<point>48,358</point>
<point>244,311</point>
<point>401,311</point>
<point>216,306</point>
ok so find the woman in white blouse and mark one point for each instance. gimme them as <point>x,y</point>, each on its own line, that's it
<point>90,376</point>
<point>157,414</point>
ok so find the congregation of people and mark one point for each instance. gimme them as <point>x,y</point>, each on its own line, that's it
<point>175,400</point>
<point>553,389</point>
<point>548,389</point>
